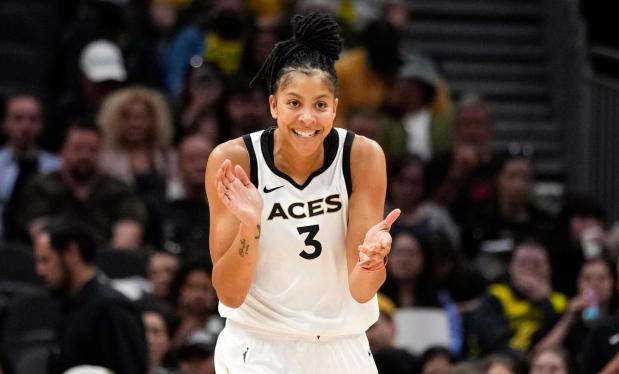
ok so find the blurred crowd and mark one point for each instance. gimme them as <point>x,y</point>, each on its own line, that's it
<point>145,89</point>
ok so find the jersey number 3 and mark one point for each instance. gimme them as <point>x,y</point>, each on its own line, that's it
<point>310,241</point>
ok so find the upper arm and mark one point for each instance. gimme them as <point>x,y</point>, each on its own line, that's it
<point>223,224</point>
<point>369,186</point>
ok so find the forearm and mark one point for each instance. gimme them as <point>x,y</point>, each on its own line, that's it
<point>556,336</point>
<point>364,284</point>
<point>233,273</point>
<point>612,366</point>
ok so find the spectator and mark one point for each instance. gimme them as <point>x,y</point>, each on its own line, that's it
<point>186,227</point>
<point>407,193</point>
<point>601,351</point>
<point>101,327</point>
<point>219,37</point>
<point>508,218</point>
<point>195,300</point>
<point>79,190</point>
<point>462,178</point>
<point>158,326</point>
<point>202,94</point>
<point>365,121</point>
<point>160,271</point>
<point>101,70</point>
<point>436,360</point>
<point>137,134</point>
<point>244,109</point>
<point>415,126</point>
<point>20,158</point>
<point>381,336</point>
<point>411,282</point>
<point>550,361</point>
<point>596,299</point>
<point>518,314</point>
<point>365,74</point>
<point>578,235</point>
<point>196,354</point>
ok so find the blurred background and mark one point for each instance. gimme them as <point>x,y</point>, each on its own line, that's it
<point>498,119</point>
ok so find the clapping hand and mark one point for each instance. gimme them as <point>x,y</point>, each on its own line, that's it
<point>238,194</point>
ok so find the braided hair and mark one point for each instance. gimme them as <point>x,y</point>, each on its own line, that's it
<point>315,44</point>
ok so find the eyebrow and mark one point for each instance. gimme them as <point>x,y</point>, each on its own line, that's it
<point>300,97</point>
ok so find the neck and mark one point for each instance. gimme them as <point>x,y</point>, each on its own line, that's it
<point>81,276</point>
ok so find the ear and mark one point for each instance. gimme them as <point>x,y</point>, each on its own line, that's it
<point>273,106</point>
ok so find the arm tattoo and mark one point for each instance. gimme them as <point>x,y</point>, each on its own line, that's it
<point>258,234</point>
<point>244,249</point>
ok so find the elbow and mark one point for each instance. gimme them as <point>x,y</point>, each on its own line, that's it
<point>360,297</point>
<point>232,302</point>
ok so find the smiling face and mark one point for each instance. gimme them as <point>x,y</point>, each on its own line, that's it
<point>304,107</point>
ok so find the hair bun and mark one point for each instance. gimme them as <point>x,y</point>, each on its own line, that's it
<point>320,32</point>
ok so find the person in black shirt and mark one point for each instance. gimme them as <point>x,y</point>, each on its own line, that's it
<point>99,326</point>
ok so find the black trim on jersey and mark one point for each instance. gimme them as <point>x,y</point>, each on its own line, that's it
<point>350,136</point>
<point>253,162</point>
<point>330,146</point>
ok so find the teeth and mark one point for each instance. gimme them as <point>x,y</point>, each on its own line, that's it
<point>305,134</point>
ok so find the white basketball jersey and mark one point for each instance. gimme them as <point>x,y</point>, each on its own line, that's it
<point>301,282</point>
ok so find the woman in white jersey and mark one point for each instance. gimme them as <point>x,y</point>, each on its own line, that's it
<point>298,241</point>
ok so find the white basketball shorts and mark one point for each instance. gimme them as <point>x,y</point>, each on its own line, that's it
<point>240,350</point>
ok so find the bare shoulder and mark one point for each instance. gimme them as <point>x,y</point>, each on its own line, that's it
<point>365,151</point>
<point>233,150</point>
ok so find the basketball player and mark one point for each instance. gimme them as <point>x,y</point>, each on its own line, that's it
<point>297,239</point>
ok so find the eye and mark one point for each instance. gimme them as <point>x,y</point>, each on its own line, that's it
<point>294,103</point>
<point>322,105</point>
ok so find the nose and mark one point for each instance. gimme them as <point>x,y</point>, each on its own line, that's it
<point>306,117</point>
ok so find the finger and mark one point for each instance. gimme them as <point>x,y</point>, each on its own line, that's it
<point>222,193</point>
<point>227,169</point>
<point>391,217</point>
<point>241,175</point>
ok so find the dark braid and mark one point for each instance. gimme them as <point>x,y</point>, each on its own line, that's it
<point>316,44</point>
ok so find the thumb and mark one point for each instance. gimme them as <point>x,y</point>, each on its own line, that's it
<point>241,175</point>
<point>391,217</point>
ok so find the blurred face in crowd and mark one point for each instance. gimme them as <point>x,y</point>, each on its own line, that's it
<point>161,269</point>
<point>409,95</point>
<point>163,16</point>
<point>407,186</point>
<point>438,364</point>
<point>157,337</point>
<point>192,156</point>
<point>548,362</point>
<point>407,259</point>
<point>596,276</point>
<point>138,127</point>
<point>247,112</point>
<point>473,124</point>
<point>197,293</point>
<point>515,182</point>
<point>80,154</point>
<point>50,265</point>
<point>366,124</point>
<point>381,334</point>
<point>530,261</point>
<point>22,122</point>
<point>499,368</point>
<point>581,224</point>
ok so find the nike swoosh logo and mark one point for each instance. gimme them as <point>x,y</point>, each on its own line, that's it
<point>267,190</point>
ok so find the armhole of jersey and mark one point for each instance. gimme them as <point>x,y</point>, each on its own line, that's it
<point>350,136</point>
<point>253,163</point>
